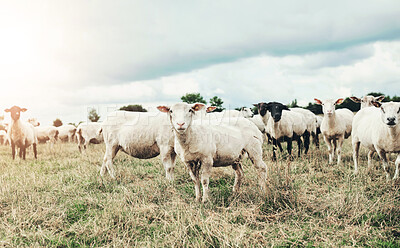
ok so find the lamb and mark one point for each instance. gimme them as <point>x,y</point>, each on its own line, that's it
<point>140,135</point>
<point>367,101</point>
<point>378,129</point>
<point>21,134</point>
<point>202,147</point>
<point>44,133</point>
<point>66,132</point>
<point>88,133</point>
<point>3,137</point>
<point>283,124</point>
<point>335,126</point>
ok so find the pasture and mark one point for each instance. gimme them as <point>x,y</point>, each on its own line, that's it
<point>60,200</point>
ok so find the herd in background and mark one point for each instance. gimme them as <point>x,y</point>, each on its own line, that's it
<point>204,139</point>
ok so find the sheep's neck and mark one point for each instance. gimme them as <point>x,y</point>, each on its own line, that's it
<point>183,138</point>
<point>332,120</point>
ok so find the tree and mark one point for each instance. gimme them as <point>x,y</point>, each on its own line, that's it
<point>93,116</point>
<point>133,108</point>
<point>193,98</point>
<point>293,104</point>
<point>57,123</point>
<point>217,102</point>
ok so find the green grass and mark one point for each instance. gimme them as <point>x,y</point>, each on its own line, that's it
<point>60,200</point>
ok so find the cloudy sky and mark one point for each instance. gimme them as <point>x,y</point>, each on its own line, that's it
<point>59,58</point>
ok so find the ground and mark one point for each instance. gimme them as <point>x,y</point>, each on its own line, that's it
<point>60,200</point>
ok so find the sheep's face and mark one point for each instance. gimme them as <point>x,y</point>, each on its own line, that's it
<point>247,113</point>
<point>15,112</point>
<point>262,108</point>
<point>34,122</point>
<point>390,113</point>
<point>276,108</point>
<point>328,106</point>
<point>367,101</point>
<point>181,114</point>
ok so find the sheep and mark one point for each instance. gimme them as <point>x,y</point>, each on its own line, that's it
<point>202,147</point>
<point>4,138</point>
<point>335,126</point>
<point>44,133</point>
<point>311,126</point>
<point>88,133</point>
<point>21,134</point>
<point>367,101</point>
<point>246,112</point>
<point>66,132</point>
<point>318,121</point>
<point>140,135</point>
<point>378,129</point>
<point>282,124</point>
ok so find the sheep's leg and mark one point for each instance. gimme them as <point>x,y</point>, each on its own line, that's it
<point>396,173</point>
<point>289,145</point>
<point>109,155</point>
<point>382,155</point>
<point>13,149</point>
<point>23,149</point>
<point>299,145</point>
<point>279,146</point>
<point>370,154</point>
<point>168,157</point>
<point>254,151</point>
<point>205,177</point>
<point>274,149</point>
<point>356,149</point>
<point>34,150</point>
<point>306,137</point>
<point>334,143</point>
<point>194,168</point>
<point>328,143</point>
<point>20,152</point>
<point>339,150</point>
<point>238,176</point>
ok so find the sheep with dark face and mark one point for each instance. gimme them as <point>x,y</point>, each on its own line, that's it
<point>378,129</point>
<point>21,134</point>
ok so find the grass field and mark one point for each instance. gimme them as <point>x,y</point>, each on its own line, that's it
<point>60,200</point>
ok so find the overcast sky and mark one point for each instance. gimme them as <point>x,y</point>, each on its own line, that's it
<point>59,58</point>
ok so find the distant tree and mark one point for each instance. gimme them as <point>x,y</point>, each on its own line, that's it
<point>217,102</point>
<point>133,108</point>
<point>93,116</point>
<point>395,98</point>
<point>255,110</point>
<point>293,104</point>
<point>57,123</point>
<point>193,98</point>
<point>74,124</point>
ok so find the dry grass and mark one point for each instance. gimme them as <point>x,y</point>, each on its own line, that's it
<point>60,200</point>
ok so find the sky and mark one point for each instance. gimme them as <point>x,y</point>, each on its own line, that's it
<point>61,58</point>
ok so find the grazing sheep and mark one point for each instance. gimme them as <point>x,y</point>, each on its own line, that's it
<point>367,101</point>
<point>3,137</point>
<point>202,147</point>
<point>283,124</point>
<point>66,132</point>
<point>21,134</point>
<point>377,129</point>
<point>335,126</point>
<point>140,135</point>
<point>88,133</point>
<point>44,133</point>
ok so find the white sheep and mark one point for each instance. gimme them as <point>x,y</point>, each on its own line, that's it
<point>318,121</point>
<point>21,134</point>
<point>335,126</point>
<point>66,132</point>
<point>311,125</point>
<point>202,147</point>
<point>367,101</point>
<point>88,133</point>
<point>44,133</point>
<point>140,135</point>
<point>377,129</point>
<point>4,138</point>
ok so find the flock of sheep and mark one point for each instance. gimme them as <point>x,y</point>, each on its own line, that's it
<point>203,139</point>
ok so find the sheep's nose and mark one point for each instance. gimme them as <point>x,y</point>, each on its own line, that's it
<point>391,120</point>
<point>181,124</point>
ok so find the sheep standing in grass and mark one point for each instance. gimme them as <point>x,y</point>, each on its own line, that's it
<point>140,135</point>
<point>378,129</point>
<point>202,147</point>
<point>367,101</point>
<point>3,137</point>
<point>335,126</point>
<point>21,134</point>
<point>45,133</point>
<point>88,133</point>
<point>66,132</point>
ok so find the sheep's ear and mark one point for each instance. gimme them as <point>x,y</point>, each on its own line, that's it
<point>339,101</point>
<point>163,109</point>
<point>317,101</point>
<point>210,109</point>
<point>377,104</point>
<point>7,110</point>
<point>198,106</point>
<point>38,123</point>
<point>286,108</point>
<point>23,109</point>
<point>379,98</point>
<point>355,99</point>
<point>255,105</point>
